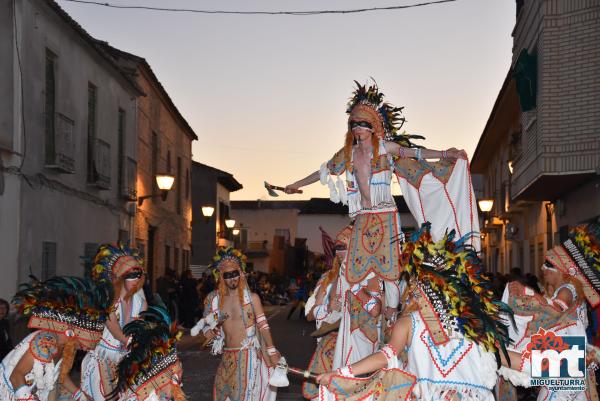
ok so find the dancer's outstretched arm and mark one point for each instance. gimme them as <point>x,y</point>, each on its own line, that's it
<point>309,179</point>
<point>400,338</point>
<point>397,150</point>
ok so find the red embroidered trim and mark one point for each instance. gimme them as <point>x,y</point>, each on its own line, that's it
<point>454,365</point>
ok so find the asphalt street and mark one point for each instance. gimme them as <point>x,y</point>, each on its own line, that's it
<point>292,338</point>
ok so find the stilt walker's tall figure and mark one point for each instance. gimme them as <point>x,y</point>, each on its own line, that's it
<point>373,151</point>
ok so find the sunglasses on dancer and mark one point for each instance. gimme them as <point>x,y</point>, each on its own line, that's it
<point>231,275</point>
<point>361,124</point>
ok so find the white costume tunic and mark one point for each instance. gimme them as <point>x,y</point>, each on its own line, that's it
<point>459,367</point>
<point>243,374</point>
<point>43,376</point>
<point>99,365</point>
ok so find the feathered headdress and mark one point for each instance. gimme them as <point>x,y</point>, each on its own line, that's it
<point>387,120</point>
<point>152,364</point>
<point>225,254</point>
<point>452,275</point>
<point>579,257</point>
<point>114,261</point>
<point>73,306</point>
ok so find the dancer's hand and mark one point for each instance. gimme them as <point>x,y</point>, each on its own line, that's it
<point>274,358</point>
<point>454,153</point>
<point>210,334</point>
<point>336,305</point>
<point>323,379</point>
<point>291,189</point>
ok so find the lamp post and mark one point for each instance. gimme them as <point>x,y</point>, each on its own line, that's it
<point>165,183</point>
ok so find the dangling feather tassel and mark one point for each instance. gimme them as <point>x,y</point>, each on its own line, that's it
<point>323,173</point>
<point>67,359</point>
<point>333,193</point>
<point>178,394</point>
<point>341,188</point>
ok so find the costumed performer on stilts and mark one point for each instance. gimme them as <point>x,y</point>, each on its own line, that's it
<point>121,267</point>
<point>151,371</point>
<point>372,144</point>
<point>67,313</point>
<point>244,338</point>
<point>572,270</point>
<point>451,329</point>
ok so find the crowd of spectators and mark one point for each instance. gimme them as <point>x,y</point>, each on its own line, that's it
<point>184,295</point>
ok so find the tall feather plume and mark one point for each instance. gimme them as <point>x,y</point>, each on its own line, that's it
<point>392,116</point>
<point>71,295</point>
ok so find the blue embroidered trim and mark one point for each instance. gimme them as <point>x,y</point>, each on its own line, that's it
<point>453,382</point>
<point>439,355</point>
<point>341,390</point>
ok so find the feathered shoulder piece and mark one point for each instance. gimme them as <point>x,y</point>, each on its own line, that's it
<point>454,272</point>
<point>228,253</point>
<point>153,355</point>
<point>587,239</point>
<point>71,305</point>
<point>113,261</point>
<point>389,116</point>
<point>583,248</point>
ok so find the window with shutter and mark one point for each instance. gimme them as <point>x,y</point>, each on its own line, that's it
<point>48,260</point>
<point>50,105</point>
<point>91,133</point>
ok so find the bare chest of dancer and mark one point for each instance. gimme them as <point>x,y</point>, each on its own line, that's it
<point>362,171</point>
<point>235,331</point>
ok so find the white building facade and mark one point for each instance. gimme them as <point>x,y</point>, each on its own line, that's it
<point>67,132</point>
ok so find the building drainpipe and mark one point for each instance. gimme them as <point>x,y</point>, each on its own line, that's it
<point>549,212</point>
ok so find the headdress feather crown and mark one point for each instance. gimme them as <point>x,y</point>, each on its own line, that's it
<point>390,116</point>
<point>106,262</point>
<point>228,253</point>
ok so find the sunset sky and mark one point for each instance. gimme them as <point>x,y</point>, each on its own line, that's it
<point>266,95</point>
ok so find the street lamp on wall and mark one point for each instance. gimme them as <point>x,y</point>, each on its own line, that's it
<point>165,183</point>
<point>230,223</point>
<point>207,212</point>
<point>236,231</point>
<point>486,205</point>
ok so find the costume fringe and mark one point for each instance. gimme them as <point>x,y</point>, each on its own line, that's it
<point>178,394</point>
<point>68,357</point>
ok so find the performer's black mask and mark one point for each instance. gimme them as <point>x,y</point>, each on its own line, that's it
<point>134,275</point>
<point>363,124</point>
<point>231,275</point>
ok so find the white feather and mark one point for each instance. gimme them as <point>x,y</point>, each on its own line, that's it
<point>341,187</point>
<point>333,193</point>
<point>515,377</point>
<point>323,173</point>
